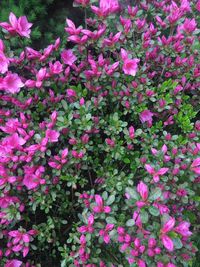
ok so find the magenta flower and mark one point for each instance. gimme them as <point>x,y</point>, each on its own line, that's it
<point>13,263</point>
<point>183,229</point>
<point>4,62</point>
<point>166,240</point>
<point>13,141</point>
<point>84,3</point>
<point>131,132</point>
<point>105,233</point>
<point>141,263</point>
<point>143,190</point>
<point>19,26</point>
<point>52,135</point>
<point>168,226</point>
<point>33,176</point>
<point>100,205</point>
<point>55,68</point>
<point>11,83</point>
<point>198,5</point>
<point>68,57</point>
<point>87,228</point>
<point>71,29</point>
<point>189,25</point>
<point>195,167</point>
<point>130,66</point>
<point>106,7</point>
<point>156,174</point>
<point>146,116</point>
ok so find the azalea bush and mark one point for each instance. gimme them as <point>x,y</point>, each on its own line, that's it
<point>99,149</point>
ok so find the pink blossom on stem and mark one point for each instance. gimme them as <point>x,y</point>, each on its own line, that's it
<point>89,227</point>
<point>195,167</point>
<point>167,242</point>
<point>131,132</point>
<point>105,233</point>
<point>189,25</point>
<point>143,190</point>
<point>183,229</point>
<point>17,26</point>
<point>13,263</point>
<point>52,135</point>
<point>100,205</point>
<point>156,174</point>
<point>68,57</point>
<point>4,61</point>
<point>11,83</point>
<point>146,116</point>
<point>130,66</point>
<point>106,7</point>
<point>168,226</point>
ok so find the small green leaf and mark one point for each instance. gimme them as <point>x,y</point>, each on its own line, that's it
<point>177,243</point>
<point>126,160</point>
<point>144,216</point>
<point>154,211</point>
<point>130,223</point>
<point>110,200</point>
<point>155,194</point>
<point>111,220</point>
<point>133,194</point>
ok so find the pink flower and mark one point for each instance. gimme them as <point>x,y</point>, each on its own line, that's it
<point>106,7</point>
<point>105,233</point>
<point>198,5</point>
<point>84,3</point>
<point>110,142</point>
<point>4,62</point>
<point>82,101</point>
<point>100,206</point>
<point>167,242</point>
<point>170,265</point>
<point>52,135</point>
<point>141,263</point>
<point>68,57</point>
<point>33,176</point>
<point>130,66</point>
<point>146,116</point>
<point>56,67</point>
<point>143,190</point>
<point>155,173</point>
<point>195,167</point>
<point>13,263</point>
<point>17,26</point>
<point>183,229</point>
<point>87,228</point>
<point>11,83</point>
<point>168,226</point>
<point>189,25</point>
<point>71,29</point>
<point>13,141</point>
<point>131,132</point>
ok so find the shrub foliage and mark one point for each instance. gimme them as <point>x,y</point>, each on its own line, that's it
<point>99,149</point>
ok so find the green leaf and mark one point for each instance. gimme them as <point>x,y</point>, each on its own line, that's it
<point>177,243</point>
<point>111,220</point>
<point>133,194</point>
<point>110,200</point>
<point>154,211</point>
<point>130,223</point>
<point>126,160</point>
<point>155,194</point>
<point>144,216</point>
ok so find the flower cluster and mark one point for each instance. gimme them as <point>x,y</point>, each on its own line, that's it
<point>99,138</point>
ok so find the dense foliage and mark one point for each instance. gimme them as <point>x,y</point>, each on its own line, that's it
<point>99,149</point>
